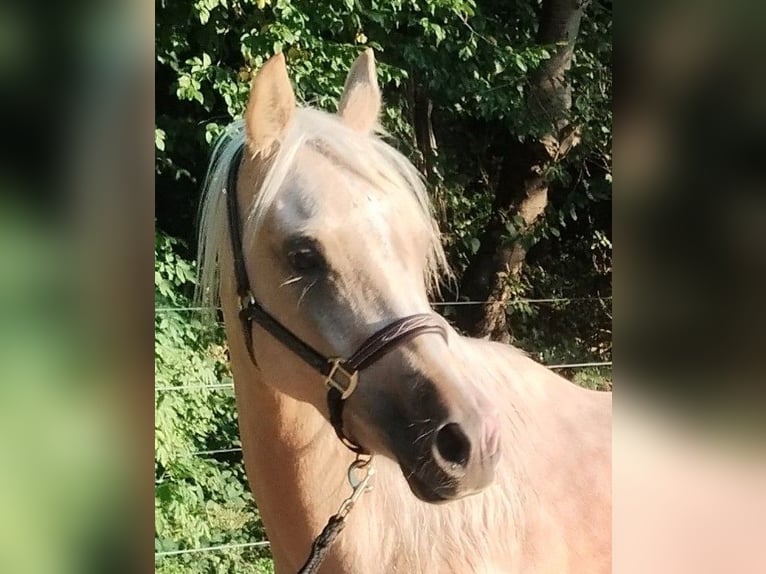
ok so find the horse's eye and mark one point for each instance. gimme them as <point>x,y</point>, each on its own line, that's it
<point>305,260</point>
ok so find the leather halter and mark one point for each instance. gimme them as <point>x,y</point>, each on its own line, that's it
<point>341,375</point>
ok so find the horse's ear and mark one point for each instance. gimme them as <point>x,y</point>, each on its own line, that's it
<point>270,107</point>
<point>360,103</point>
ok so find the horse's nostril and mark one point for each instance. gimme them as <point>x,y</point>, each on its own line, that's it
<point>452,444</point>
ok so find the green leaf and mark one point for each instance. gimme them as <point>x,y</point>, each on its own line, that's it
<point>520,63</point>
<point>159,139</point>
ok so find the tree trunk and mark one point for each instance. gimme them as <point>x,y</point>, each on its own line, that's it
<point>424,131</point>
<point>522,189</point>
<point>424,140</point>
<point>421,107</point>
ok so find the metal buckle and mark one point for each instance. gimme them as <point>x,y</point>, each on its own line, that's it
<point>351,378</point>
<point>246,300</point>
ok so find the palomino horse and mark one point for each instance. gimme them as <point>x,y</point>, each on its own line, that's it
<point>487,461</point>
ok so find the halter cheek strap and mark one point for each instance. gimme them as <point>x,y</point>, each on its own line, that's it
<point>341,376</point>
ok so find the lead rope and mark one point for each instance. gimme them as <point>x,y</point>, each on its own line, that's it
<point>360,472</point>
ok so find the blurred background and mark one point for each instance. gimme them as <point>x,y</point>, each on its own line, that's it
<point>689,471</point>
<point>493,106</point>
<point>76,261</point>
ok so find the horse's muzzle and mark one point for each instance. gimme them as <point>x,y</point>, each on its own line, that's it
<point>461,462</point>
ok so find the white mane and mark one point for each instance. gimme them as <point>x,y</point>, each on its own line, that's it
<point>364,154</point>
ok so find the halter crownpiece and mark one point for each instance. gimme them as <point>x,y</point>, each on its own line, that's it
<point>341,376</point>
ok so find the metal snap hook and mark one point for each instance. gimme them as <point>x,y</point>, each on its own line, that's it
<point>246,300</point>
<point>360,473</point>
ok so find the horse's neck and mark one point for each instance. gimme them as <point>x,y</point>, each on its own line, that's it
<point>295,465</point>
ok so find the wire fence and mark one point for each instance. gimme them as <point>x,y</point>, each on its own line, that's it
<point>433,303</point>
<point>221,547</point>
<point>230,385</point>
<point>186,388</point>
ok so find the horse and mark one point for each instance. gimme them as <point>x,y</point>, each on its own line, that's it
<point>486,461</point>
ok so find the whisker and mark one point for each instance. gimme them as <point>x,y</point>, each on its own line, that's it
<point>424,435</point>
<point>305,290</point>
<point>419,421</point>
<point>290,281</point>
<point>421,464</point>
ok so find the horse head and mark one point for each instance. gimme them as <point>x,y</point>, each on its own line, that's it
<point>339,241</point>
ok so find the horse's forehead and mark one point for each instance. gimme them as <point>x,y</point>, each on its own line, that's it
<point>320,187</point>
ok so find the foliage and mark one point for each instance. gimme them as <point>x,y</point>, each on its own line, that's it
<point>472,58</point>
<point>201,500</point>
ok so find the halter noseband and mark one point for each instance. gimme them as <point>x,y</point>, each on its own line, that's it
<point>341,375</point>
